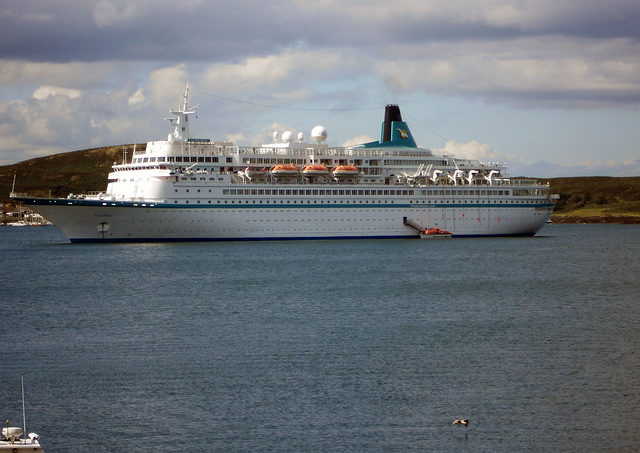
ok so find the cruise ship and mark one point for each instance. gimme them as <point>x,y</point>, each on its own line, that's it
<point>191,189</point>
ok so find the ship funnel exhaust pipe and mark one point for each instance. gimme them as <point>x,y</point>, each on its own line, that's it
<point>394,132</point>
<point>391,113</point>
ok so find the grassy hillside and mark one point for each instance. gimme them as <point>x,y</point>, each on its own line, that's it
<point>61,174</point>
<point>596,199</point>
<point>585,199</point>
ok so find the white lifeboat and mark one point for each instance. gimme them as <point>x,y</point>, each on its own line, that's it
<point>256,174</point>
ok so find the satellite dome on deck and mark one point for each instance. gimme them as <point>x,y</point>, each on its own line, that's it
<point>287,137</point>
<point>319,134</point>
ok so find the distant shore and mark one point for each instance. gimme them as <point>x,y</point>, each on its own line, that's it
<point>616,219</point>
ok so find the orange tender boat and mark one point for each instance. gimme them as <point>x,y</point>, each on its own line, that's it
<point>435,233</point>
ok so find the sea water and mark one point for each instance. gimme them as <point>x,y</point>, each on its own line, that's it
<point>318,346</point>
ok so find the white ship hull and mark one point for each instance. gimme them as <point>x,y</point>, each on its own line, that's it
<point>301,218</point>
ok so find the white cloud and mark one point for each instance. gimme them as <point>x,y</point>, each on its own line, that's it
<point>471,150</point>
<point>137,97</point>
<point>544,169</point>
<point>281,71</point>
<point>165,86</point>
<point>359,140</point>
<point>253,73</point>
<point>237,138</point>
<point>566,74</point>
<point>72,75</point>
<point>45,91</point>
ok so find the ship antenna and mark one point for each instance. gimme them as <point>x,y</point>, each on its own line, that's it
<point>185,104</point>
<point>181,122</point>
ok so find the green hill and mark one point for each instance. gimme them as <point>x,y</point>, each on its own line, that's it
<point>596,199</point>
<point>61,174</point>
<point>583,199</point>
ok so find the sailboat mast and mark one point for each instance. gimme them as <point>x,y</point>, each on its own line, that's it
<point>24,418</point>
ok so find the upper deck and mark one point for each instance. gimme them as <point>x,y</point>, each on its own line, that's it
<point>394,159</point>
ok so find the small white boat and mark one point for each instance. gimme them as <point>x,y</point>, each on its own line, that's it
<point>13,439</point>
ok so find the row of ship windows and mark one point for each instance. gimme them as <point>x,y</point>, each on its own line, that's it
<point>358,162</point>
<point>468,192</point>
<point>140,160</point>
<point>359,192</point>
<point>377,224</point>
<point>364,202</point>
<point>381,221</point>
<point>210,179</point>
<point>263,161</point>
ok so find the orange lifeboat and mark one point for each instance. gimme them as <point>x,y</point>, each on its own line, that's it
<point>315,170</point>
<point>346,170</point>
<point>285,169</point>
<point>285,173</point>
<point>345,173</point>
<point>316,174</point>
<point>435,233</point>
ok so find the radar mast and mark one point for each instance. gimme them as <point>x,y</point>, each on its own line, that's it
<point>181,122</point>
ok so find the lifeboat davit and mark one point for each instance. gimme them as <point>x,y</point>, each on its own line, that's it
<point>285,173</point>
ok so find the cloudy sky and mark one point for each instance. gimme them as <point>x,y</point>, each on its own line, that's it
<point>550,86</point>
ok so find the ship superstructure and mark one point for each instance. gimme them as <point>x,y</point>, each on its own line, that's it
<point>189,189</point>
